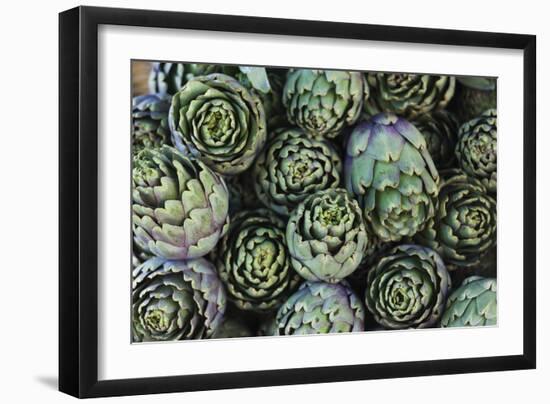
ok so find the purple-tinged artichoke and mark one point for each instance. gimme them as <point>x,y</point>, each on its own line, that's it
<point>464,227</point>
<point>321,308</point>
<point>326,236</point>
<point>389,170</point>
<point>324,102</point>
<point>408,288</point>
<point>476,149</point>
<point>175,300</point>
<point>179,206</point>
<point>408,95</point>
<point>292,167</point>
<point>252,260</point>
<point>220,121</point>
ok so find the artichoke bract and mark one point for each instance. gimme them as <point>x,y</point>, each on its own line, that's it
<point>464,227</point>
<point>326,236</point>
<point>408,288</point>
<point>476,149</point>
<point>440,129</point>
<point>473,304</point>
<point>168,78</point>
<point>220,121</point>
<point>175,300</point>
<point>321,308</point>
<point>180,206</point>
<point>408,95</point>
<point>253,262</point>
<point>150,121</point>
<point>292,167</point>
<point>323,102</point>
<point>389,170</point>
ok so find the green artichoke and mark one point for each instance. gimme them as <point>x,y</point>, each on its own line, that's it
<point>464,227</point>
<point>150,121</point>
<point>324,102</point>
<point>440,129</point>
<point>232,327</point>
<point>408,288</point>
<point>389,170</point>
<point>321,308</point>
<point>220,121</point>
<point>474,96</point>
<point>168,78</point>
<point>476,149</point>
<point>175,300</point>
<point>179,206</point>
<point>253,261</point>
<point>292,167</point>
<point>326,236</point>
<point>408,95</point>
<point>473,304</point>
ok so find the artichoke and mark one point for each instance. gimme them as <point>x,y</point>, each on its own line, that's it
<point>219,120</point>
<point>464,227</point>
<point>408,95</point>
<point>321,308</point>
<point>476,149</point>
<point>293,166</point>
<point>232,327</point>
<point>474,96</point>
<point>323,102</point>
<point>389,170</point>
<point>440,129</point>
<point>179,206</point>
<point>253,262</point>
<point>408,288</point>
<point>474,303</point>
<point>150,121</point>
<point>168,78</point>
<point>175,300</point>
<point>326,236</point>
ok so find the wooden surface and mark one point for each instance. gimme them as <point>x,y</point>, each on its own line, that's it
<point>140,76</point>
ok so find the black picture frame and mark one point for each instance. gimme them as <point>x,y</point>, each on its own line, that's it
<point>78,196</point>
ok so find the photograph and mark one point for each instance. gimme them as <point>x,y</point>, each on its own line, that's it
<point>271,201</point>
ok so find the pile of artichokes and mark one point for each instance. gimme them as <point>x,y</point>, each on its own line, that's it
<point>272,201</point>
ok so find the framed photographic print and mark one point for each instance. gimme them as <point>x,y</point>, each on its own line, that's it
<point>250,201</point>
